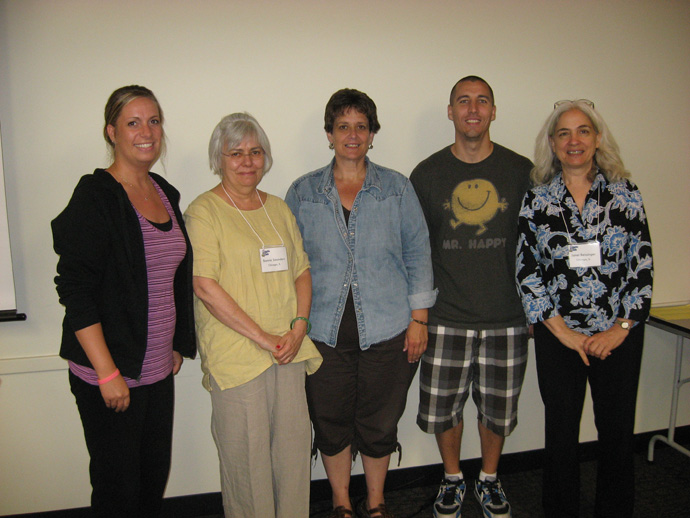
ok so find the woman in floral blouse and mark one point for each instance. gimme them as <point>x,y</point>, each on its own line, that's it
<point>584,272</point>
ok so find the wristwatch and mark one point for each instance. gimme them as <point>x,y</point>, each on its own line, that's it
<point>624,324</point>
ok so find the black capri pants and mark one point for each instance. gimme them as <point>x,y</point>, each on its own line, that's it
<point>357,397</point>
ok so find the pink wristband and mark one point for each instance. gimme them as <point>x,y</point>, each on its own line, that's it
<point>109,378</point>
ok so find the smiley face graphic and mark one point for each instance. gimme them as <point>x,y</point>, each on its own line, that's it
<point>475,203</point>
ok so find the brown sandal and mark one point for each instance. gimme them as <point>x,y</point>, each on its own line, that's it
<point>340,512</point>
<point>379,511</point>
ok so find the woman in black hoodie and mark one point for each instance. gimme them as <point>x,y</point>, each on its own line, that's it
<point>124,277</point>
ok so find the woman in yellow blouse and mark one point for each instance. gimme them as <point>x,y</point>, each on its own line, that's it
<point>253,296</point>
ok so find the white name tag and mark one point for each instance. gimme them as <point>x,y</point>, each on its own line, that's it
<point>584,255</point>
<point>273,259</point>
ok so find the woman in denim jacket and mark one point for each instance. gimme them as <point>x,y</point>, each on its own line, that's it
<point>368,246</point>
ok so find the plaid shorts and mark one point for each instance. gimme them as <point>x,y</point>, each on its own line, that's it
<point>492,361</point>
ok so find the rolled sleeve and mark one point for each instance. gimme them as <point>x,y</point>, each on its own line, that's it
<point>422,300</point>
<point>416,252</point>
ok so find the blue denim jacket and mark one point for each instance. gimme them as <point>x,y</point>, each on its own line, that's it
<point>383,254</point>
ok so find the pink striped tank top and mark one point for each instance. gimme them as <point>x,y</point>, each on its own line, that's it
<point>164,251</point>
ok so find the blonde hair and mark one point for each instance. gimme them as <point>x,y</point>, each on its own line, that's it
<point>607,156</point>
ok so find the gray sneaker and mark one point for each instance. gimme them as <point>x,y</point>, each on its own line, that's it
<point>492,499</point>
<point>449,499</point>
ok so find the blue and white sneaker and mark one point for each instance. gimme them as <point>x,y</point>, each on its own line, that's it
<point>492,499</point>
<point>449,499</point>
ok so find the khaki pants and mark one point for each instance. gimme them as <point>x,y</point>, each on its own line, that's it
<point>263,436</point>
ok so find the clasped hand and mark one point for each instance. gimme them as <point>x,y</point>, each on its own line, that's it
<point>599,345</point>
<point>284,348</point>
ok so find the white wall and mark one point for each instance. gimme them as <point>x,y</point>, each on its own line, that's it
<point>59,61</point>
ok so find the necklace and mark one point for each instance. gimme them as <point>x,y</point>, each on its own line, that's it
<point>146,198</point>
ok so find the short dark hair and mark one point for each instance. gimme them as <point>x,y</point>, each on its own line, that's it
<point>348,99</point>
<point>472,79</point>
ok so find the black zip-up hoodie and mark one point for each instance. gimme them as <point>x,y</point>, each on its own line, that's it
<point>102,273</point>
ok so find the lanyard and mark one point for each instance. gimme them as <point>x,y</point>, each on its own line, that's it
<point>263,245</point>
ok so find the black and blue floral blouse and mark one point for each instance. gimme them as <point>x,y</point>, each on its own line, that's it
<point>588,298</point>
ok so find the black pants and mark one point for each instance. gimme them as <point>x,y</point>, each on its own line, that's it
<point>613,382</point>
<point>130,451</point>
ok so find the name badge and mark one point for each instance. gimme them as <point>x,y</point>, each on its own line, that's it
<point>273,259</point>
<point>584,255</point>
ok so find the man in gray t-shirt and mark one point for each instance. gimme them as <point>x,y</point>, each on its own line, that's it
<point>471,194</point>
